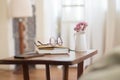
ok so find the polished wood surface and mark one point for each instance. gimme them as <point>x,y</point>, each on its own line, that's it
<point>70,58</point>
<point>65,60</point>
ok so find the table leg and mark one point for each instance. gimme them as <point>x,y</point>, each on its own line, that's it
<point>65,72</point>
<point>25,71</point>
<point>80,69</point>
<point>47,72</point>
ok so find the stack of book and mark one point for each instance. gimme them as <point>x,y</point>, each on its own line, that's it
<point>52,49</point>
<point>43,50</point>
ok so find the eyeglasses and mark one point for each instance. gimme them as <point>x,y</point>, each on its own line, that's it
<point>53,42</point>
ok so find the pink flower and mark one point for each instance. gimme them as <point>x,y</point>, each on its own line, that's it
<point>81,26</point>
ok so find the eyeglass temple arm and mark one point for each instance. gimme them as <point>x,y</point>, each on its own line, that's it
<point>40,42</point>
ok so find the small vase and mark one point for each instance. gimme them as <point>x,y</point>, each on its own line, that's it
<point>80,41</point>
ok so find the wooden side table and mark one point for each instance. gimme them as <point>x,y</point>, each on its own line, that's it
<point>65,60</point>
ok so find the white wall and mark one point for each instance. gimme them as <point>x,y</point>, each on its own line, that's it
<point>6,46</point>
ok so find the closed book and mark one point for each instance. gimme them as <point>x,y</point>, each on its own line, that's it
<point>48,46</point>
<point>55,50</point>
<point>28,55</point>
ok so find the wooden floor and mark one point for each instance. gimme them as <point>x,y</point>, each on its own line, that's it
<point>38,74</point>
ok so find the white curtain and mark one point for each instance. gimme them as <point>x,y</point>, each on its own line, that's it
<point>112,27</point>
<point>47,14</point>
<point>95,15</point>
<point>96,18</point>
<point>103,18</point>
<point>51,11</point>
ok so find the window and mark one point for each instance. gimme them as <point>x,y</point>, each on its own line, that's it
<point>73,10</point>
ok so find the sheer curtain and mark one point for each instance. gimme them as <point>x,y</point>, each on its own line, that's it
<point>47,15</point>
<point>96,17</point>
<point>72,11</point>
<point>112,26</point>
<point>103,18</point>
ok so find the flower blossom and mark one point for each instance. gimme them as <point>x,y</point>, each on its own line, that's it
<point>81,26</point>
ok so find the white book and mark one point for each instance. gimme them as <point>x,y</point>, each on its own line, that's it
<point>53,51</point>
